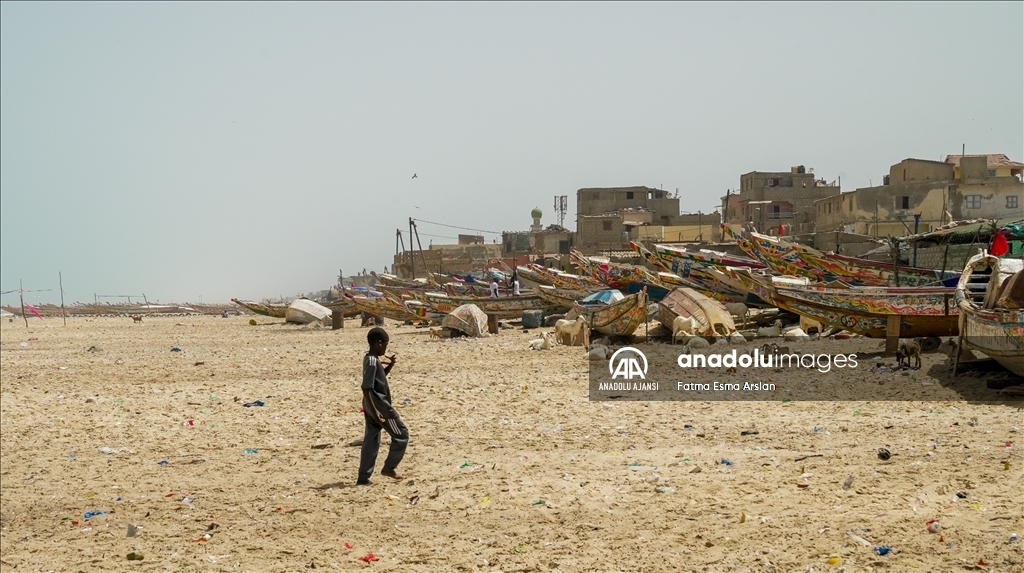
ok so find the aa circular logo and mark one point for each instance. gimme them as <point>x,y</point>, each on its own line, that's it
<point>628,363</point>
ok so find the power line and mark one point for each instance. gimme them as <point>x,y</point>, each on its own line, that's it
<point>457,227</point>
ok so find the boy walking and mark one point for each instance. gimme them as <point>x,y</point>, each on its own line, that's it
<point>378,412</point>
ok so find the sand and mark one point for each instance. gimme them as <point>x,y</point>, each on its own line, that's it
<point>514,468</point>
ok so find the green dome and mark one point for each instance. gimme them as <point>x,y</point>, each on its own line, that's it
<point>536,213</point>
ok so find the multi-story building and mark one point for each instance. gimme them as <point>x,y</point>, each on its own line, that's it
<point>777,202</point>
<point>923,194</point>
<point>605,216</point>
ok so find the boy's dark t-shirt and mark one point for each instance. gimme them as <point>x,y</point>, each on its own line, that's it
<point>376,381</point>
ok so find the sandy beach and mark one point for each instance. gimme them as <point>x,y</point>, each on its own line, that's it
<point>511,467</point>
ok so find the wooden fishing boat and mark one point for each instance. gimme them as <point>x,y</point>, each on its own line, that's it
<point>762,285</point>
<point>875,312</point>
<point>625,277</point>
<point>620,318</point>
<point>387,307</point>
<point>712,318</point>
<point>708,281</point>
<point>676,258</point>
<point>990,298</point>
<point>564,298</point>
<point>394,280</point>
<point>501,307</point>
<point>800,260</point>
<point>536,275</point>
<point>266,309</point>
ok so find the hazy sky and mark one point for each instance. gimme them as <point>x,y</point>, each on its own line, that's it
<point>189,150</point>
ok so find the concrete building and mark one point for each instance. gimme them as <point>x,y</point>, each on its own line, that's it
<point>686,228</point>
<point>777,200</point>
<point>605,216</point>
<point>538,240</point>
<point>935,192</point>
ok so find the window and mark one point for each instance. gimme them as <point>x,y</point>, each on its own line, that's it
<point>991,172</point>
<point>606,225</point>
<point>1011,201</point>
<point>629,194</point>
<point>903,201</point>
<point>972,201</point>
<point>830,207</point>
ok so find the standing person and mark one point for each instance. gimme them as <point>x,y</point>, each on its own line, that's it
<point>494,287</point>
<point>378,412</point>
<point>515,282</point>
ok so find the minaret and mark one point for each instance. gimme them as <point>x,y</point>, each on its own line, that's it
<point>536,214</point>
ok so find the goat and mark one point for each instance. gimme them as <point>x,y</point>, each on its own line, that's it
<point>573,330</point>
<point>599,352</point>
<point>795,334</point>
<point>697,342</point>
<point>738,309</point>
<point>907,351</point>
<point>435,333</point>
<point>542,343</point>
<point>737,338</point>
<point>773,331</point>
<point>684,326</point>
<point>807,325</point>
<point>137,317</point>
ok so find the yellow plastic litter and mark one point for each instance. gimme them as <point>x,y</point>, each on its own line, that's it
<point>743,517</point>
<point>485,499</point>
<point>833,561</point>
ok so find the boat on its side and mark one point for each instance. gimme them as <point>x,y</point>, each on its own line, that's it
<point>990,295</point>
<point>619,318</point>
<point>265,309</point>
<point>387,307</point>
<point>562,297</point>
<point>712,318</point>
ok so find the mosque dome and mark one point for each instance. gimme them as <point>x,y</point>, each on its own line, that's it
<point>536,213</point>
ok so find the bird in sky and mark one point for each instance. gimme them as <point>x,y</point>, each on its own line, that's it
<point>414,176</point>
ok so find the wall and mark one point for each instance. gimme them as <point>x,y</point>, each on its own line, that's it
<point>593,234</point>
<point>708,233</point>
<point>910,170</point>
<point>601,200</point>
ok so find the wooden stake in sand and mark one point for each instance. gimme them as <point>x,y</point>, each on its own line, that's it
<point>21,296</point>
<point>62,314</point>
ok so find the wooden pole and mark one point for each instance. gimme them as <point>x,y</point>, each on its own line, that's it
<point>62,313</point>
<point>21,296</point>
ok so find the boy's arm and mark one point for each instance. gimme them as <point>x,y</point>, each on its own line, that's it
<point>387,369</point>
<point>369,372</point>
<point>370,407</point>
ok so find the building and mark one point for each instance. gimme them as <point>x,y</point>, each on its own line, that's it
<point>685,228</point>
<point>923,194</point>
<point>539,240</point>
<point>777,201</point>
<point>606,215</point>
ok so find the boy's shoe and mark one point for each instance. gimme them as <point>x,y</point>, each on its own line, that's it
<point>363,482</point>
<point>391,474</point>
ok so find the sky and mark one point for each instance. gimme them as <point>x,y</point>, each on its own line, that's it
<point>195,152</point>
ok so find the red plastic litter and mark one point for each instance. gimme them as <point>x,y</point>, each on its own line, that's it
<point>369,557</point>
<point>74,523</point>
<point>348,545</point>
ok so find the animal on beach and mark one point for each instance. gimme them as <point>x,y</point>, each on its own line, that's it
<point>773,331</point>
<point>907,351</point>
<point>137,317</point>
<point>810,326</point>
<point>575,331</point>
<point>683,326</point>
<point>435,333</point>
<point>545,342</point>
<point>738,309</point>
<point>795,334</point>
<point>950,348</point>
<point>599,352</point>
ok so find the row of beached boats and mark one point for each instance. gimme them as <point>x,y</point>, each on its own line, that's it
<point>982,304</point>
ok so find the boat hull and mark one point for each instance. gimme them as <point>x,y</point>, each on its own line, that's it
<point>271,310</point>
<point>501,307</point>
<point>620,318</point>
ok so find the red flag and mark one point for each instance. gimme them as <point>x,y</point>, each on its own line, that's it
<point>34,311</point>
<point>999,244</point>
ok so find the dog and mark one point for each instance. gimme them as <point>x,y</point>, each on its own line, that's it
<point>137,317</point>
<point>907,351</point>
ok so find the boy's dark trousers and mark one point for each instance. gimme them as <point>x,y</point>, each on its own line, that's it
<point>371,444</point>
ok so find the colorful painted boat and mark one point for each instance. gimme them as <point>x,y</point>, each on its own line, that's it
<point>987,324</point>
<point>677,258</point>
<point>794,259</point>
<point>502,307</point>
<point>536,275</point>
<point>387,307</point>
<point>708,281</point>
<point>394,280</point>
<point>625,277</point>
<point>712,318</point>
<point>921,311</point>
<point>562,297</point>
<point>620,318</point>
<point>265,309</point>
